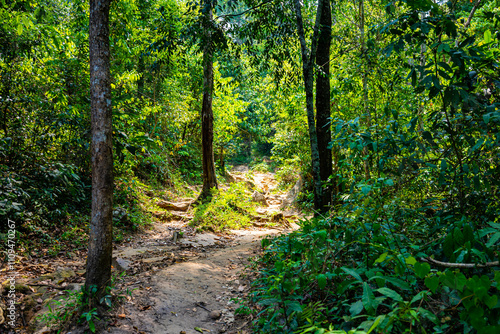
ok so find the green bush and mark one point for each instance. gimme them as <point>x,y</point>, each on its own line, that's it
<point>357,273</point>
<point>229,209</point>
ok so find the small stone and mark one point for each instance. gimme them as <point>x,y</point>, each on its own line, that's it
<point>258,197</point>
<point>215,314</point>
<point>62,273</point>
<point>121,264</point>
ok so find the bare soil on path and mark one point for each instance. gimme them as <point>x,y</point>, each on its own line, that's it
<point>177,281</point>
<point>201,294</point>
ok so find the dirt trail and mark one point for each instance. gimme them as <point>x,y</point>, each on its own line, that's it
<point>177,281</point>
<point>205,274</point>
<point>194,295</point>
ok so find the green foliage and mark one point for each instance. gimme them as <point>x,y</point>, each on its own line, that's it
<point>61,311</point>
<point>287,174</point>
<point>364,275</point>
<point>261,167</point>
<point>41,194</point>
<point>228,209</point>
<point>75,306</point>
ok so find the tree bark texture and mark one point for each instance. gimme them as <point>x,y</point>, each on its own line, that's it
<point>308,57</point>
<point>207,115</point>
<point>368,121</point>
<point>323,105</point>
<point>101,231</point>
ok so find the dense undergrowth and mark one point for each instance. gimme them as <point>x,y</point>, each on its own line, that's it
<point>368,271</point>
<point>51,203</point>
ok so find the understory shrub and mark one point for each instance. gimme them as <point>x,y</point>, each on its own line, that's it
<point>359,274</point>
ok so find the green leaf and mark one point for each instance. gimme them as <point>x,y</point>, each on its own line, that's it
<point>429,315</point>
<point>422,269</point>
<point>497,277</point>
<point>391,294</point>
<point>433,92</point>
<point>444,166</point>
<point>454,280</point>
<point>493,240</point>
<point>293,306</point>
<point>394,281</point>
<point>410,260</point>
<point>356,308</point>
<point>418,296</point>
<point>458,236</point>
<point>468,233</point>
<point>477,184</point>
<point>353,273</point>
<point>19,29</point>
<point>389,182</point>
<point>486,118</point>
<point>279,266</point>
<point>476,314</point>
<point>321,281</point>
<point>491,301</point>
<point>366,189</point>
<point>91,326</point>
<point>381,258</point>
<point>448,246</point>
<point>268,301</point>
<point>432,282</point>
<point>375,323</point>
<point>487,36</point>
<point>368,299</point>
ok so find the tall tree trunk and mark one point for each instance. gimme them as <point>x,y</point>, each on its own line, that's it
<point>101,228</point>
<point>365,83</point>
<point>207,115</point>
<point>323,105</point>
<point>140,83</point>
<point>308,58</point>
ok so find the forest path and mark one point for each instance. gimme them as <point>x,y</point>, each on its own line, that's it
<point>190,286</point>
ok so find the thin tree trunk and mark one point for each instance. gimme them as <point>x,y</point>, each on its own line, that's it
<point>207,115</point>
<point>101,229</point>
<point>140,83</point>
<point>222,163</point>
<point>365,84</point>
<point>308,58</point>
<point>323,105</point>
<point>422,99</point>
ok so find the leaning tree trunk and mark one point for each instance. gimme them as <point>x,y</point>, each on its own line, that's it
<point>207,115</point>
<point>323,105</point>
<point>101,229</point>
<point>308,73</point>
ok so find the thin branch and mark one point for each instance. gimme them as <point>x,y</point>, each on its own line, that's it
<point>469,19</point>
<point>245,11</point>
<point>459,265</point>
